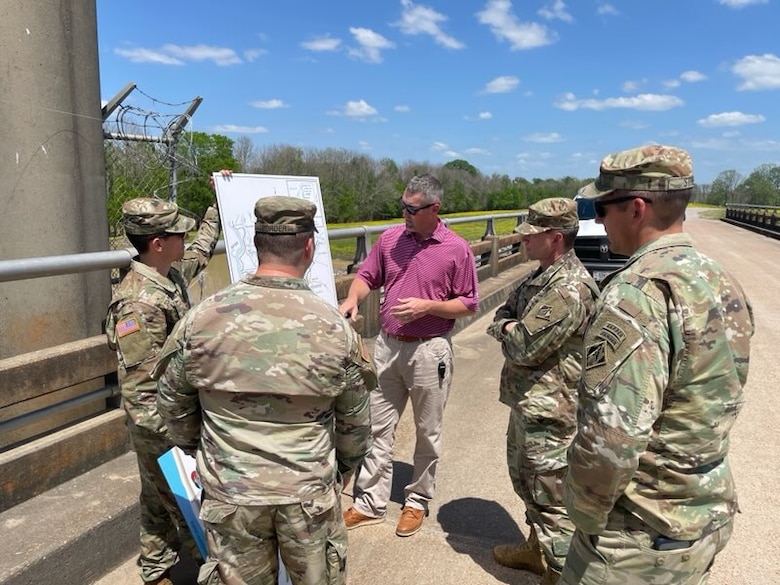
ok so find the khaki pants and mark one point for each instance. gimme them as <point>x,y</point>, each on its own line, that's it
<point>407,371</point>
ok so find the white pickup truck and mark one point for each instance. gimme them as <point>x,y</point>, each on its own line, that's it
<point>591,245</point>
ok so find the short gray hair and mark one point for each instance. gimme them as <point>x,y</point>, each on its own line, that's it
<point>428,185</point>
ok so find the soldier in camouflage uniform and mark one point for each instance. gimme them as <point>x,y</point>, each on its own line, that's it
<point>146,305</point>
<point>271,385</point>
<point>540,328</point>
<point>666,359</point>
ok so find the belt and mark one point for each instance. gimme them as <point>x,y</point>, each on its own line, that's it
<point>410,338</point>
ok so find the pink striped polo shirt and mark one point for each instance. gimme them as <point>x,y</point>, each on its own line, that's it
<point>441,267</point>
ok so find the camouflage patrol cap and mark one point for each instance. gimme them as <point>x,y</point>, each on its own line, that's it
<point>284,215</point>
<point>647,168</point>
<point>549,214</point>
<point>146,216</point>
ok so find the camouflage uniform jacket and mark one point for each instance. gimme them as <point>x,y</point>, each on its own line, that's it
<point>144,308</point>
<point>666,359</point>
<point>551,309</point>
<point>272,384</point>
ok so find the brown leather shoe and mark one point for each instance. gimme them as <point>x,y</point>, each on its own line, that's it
<point>354,519</point>
<point>410,522</point>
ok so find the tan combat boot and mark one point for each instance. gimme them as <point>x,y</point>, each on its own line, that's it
<point>527,556</point>
<point>551,577</point>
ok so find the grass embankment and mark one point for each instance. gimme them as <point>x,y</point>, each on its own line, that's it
<point>344,250</point>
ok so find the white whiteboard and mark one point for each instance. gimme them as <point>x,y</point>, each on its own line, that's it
<point>236,196</point>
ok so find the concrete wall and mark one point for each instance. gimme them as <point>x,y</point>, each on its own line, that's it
<point>51,159</point>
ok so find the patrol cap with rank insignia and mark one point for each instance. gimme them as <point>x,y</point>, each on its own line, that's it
<point>647,168</point>
<point>554,213</point>
<point>145,216</point>
<point>284,215</point>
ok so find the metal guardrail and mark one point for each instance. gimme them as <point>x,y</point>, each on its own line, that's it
<point>28,268</point>
<point>764,219</point>
<point>31,268</point>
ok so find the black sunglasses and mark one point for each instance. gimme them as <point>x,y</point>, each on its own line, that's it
<point>601,206</point>
<point>411,209</point>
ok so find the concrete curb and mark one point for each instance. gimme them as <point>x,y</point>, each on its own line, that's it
<point>76,531</point>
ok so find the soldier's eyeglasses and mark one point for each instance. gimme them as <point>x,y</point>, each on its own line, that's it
<point>411,209</point>
<point>600,206</point>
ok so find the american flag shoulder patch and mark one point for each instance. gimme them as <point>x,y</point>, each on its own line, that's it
<point>127,326</point>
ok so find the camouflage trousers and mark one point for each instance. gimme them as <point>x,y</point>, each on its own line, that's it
<point>163,529</point>
<point>536,458</point>
<point>624,554</point>
<point>243,542</point>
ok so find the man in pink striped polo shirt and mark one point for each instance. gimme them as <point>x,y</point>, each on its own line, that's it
<point>430,279</point>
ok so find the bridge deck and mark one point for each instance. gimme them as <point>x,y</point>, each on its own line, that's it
<point>475,507</point>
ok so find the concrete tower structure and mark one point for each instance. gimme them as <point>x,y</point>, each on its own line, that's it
<point>52,198</point>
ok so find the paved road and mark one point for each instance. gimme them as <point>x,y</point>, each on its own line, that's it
<point>475,507</point>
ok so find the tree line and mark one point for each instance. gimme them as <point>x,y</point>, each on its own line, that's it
<point>356,187</point>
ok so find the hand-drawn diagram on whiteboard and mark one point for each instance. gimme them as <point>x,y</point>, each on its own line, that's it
<point>237,195</point>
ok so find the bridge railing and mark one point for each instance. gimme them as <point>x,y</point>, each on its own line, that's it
<point>764,219</point>
<point>59,411</point>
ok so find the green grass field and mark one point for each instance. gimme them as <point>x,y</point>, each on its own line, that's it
<point>472,232</point>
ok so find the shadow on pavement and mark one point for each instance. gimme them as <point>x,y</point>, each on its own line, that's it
<point>402,476</point>
<point>473,526</point>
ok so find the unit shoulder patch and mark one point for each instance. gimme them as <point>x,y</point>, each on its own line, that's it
<point>547,311</point>
<point>610,339</point>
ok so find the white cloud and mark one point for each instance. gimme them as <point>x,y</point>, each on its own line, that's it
<point>556,10</point>
<point>219,55</point>
<point>741,145</point>
<point>730,119</point>
<point>179,55</point>
<point>633,86</point>
<point>731,134</point>
<point>273,104</point>
<point>439,146</point>
<point>692,76</point>
<point>140,55</point>
<point>645,101</point>
<point>424,20</point>
<point>252,55</point>
<point>322,44</point>
<point>741,3</point>
<point>633,125</point>
<point>475,150</point>
<point>505,26</point>
<point>544,138</point>
<point>365,145</point>
<point>371,45</point>
<point>402,108</point>
<point>532,159</point>
<point>607,9</point>
<point>502,84</point>
<point>356,109</point>
<point>763,145</point>
<point>479,116</point>
<point>758,72</point>
<point>233,129</point>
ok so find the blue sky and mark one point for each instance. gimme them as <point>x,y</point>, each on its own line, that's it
<point>524,88</point>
